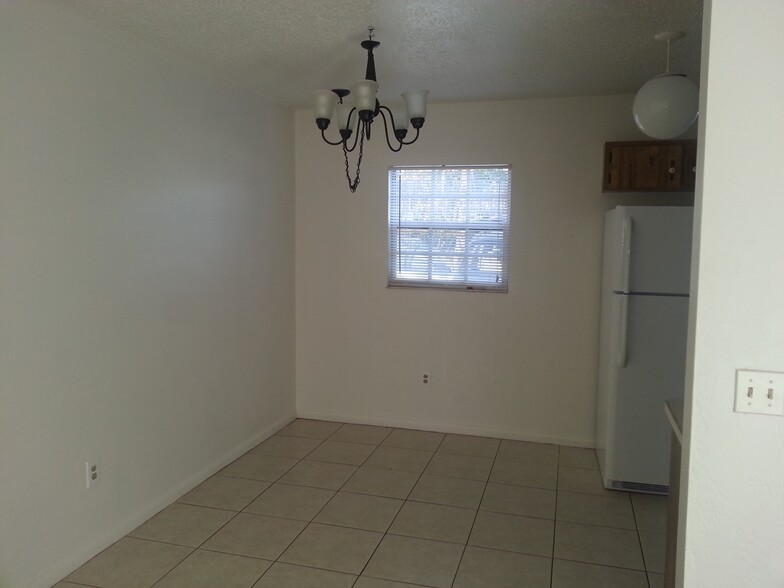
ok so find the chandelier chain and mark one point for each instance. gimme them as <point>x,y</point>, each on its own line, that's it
<point>352,185</point>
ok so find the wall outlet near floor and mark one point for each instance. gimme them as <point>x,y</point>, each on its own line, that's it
<point>759,392</point>
<point>92,473</point>
<point>426,377</point>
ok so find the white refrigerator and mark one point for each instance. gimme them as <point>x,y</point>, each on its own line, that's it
<point>642,347</point>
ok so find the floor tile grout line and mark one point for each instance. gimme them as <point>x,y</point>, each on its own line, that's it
<point>364,460</point>
<point>290,543</point>
<point>330,500</point>
<point>592,524</point>
<point>476,515</point>
<point>606,526</point>
<point>179,501</point>
<point>393,534</point>
<point>527,486</point>
<point>174,567</point>
<point>201,545</point>
<point>555,512</point>
<point>193,549</point>
<point>422,473</point>
<point>232,553</point>
<point>419,477</point>
<point>345,424</point>
<point>639,540</point>
<point>302,565</point>
<point>218,473</point>
<point>212,550</point>
<point>308,523</point>
<point>601,565</point>
<point>265,490</point>
<point>569,490</point>
<point>476,510</point>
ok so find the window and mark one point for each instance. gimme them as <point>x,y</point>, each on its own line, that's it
<point>449,227</point>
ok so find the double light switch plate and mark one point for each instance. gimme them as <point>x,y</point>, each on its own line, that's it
<point>759,392</point>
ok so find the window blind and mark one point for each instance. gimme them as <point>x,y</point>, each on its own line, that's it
<point>449,227</point>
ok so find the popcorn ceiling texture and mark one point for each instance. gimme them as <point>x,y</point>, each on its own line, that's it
<point>462,50</point>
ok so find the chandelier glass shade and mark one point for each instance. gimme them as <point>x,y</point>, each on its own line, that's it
<point>355,110</point>
<point>667,105</point>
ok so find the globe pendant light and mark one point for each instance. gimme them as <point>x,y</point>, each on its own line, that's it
<point>328,104</point>
<point>666,106</point>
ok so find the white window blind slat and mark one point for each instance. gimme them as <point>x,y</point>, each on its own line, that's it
<point>449,227</point>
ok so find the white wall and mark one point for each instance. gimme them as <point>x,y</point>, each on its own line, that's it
<point>521,364</point>
<point>146,283</point>
<point>734,466</point>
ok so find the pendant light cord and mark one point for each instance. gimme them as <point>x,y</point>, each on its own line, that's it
<point>668,57</point>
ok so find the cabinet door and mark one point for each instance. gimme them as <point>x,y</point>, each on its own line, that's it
<point>649,166</point>
<point>613,154</point>
<point>675,172</point>
<point>689,165</point>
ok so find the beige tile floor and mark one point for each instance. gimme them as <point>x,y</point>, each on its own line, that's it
<point>332,505</point>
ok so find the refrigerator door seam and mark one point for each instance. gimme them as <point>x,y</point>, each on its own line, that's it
<point>634,293</point>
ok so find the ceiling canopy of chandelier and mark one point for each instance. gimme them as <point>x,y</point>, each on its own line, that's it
<point>337,104</point>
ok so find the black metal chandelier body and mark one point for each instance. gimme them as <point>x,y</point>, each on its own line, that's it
<point>329,104</point>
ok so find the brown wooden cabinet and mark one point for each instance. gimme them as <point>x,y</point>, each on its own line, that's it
<point>650,166</point>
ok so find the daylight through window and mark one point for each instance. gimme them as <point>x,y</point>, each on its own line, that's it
<point>449,227</point>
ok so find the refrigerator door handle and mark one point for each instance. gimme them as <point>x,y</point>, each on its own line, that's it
<point>622,333</point>
<point>626,252</point>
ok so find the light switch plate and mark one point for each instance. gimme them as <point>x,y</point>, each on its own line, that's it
<point>92,472</point>
<point>759,392</point>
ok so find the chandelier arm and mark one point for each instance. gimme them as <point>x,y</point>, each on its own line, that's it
<point>412,140</point>
<point>323,136</point>
<point>381,110</point>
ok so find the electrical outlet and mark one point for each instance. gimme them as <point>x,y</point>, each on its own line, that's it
<point>426,377</point>
<point>759,392</point>
<point>92,473</point>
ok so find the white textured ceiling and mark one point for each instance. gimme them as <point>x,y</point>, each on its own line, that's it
<point>461,50</point>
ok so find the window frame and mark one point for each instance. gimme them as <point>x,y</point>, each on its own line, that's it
<point>500,226</point>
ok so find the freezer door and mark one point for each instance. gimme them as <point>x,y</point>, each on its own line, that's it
<point>659,249</point>
<point>654,372</point>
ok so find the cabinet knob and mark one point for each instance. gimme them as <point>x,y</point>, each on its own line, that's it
<point>671,170</point>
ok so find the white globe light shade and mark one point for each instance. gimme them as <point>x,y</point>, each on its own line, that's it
<point>666,106</point>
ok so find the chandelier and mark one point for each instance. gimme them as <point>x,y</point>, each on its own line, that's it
<point>329,104</point>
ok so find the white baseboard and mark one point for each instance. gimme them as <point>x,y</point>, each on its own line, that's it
<point>72,561</point>
<point>441,427</point>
